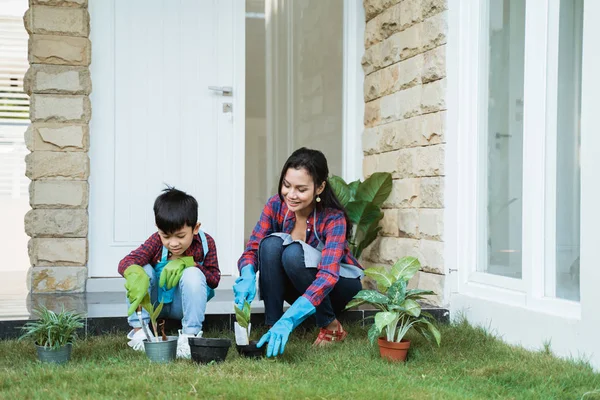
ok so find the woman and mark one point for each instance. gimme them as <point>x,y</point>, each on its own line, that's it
<point>300,247</point>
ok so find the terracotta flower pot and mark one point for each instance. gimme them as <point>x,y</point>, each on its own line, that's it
<point>393,351</point>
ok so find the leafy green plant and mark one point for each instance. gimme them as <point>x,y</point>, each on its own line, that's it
<point>399,310</point>
<point>242,316</point>
<point>154,312</point>
<point>363,201</point>
<point>53,330</point>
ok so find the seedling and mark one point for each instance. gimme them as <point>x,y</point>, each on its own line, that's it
<point>154,313</point>
<point>242,317</point>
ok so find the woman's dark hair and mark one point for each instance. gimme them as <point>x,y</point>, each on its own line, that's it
<point>315,163</point>
<point>174,209</point>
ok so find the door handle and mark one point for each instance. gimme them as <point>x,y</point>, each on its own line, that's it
<point>225,90</point>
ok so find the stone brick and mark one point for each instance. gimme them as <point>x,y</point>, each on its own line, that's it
<point>56,223</point>
<point>408,220</point>
<point>405,194</point>
<point>434,67</point>
<point>431,256</point>
<point>58,251</point>
<point>410,13</point>
<point>384,162</point>
<point>434,282</point>
<point>432,7</point>
<point>429,161</point>
<point>61,50</point>
<point>389,223</point>
<point>47,164</point>
<point>57,137</point>
<point>370,140</point>
<point>431,223</point>
<point>60,108</point>
<point>58,79</point>
<point>432,192</point>
<point>401,105</point>
<point>405,163</point>
<point>374,7</point>
<point>372,112</point>
<point>421,130</point>
<point>61,3</point>
<point>434,31</point>
<point>58,194</point>
<point>392,249</point>
<point>57,20</point>
<point>433,97</point>
<point>394,78</point>
<point>58,279</point>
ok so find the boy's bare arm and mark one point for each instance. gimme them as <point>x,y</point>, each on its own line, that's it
<point>142,255</point>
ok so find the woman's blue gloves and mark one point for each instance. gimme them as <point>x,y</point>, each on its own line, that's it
<point>278,335</point>
<point>245,286</point>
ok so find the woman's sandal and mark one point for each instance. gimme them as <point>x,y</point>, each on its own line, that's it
<point>327,337</point>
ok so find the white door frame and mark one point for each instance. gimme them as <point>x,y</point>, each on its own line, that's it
<point>353,96</point>
<point>227,186</point>
<point>520,311</point>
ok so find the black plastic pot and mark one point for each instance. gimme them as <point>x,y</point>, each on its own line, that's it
<point>251,351</point>
<point>205,350</point>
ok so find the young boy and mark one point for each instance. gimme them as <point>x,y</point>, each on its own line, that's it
<point>177,265</point>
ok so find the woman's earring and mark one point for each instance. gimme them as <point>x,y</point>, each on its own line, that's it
<point>318,199</point>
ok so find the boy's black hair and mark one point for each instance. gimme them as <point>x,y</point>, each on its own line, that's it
<point>174,209</point>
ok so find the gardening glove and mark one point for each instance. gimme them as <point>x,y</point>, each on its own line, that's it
<point>278,335</point>
<point>173,271</point>
<point>137,283</point>
<point>245,286</point>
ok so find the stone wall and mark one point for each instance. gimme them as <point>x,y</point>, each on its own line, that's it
<point>58,83</point>
<point>405,88</point>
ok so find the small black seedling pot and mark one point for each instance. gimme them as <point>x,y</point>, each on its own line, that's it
<point>205,350</point>
<point>250,350</point>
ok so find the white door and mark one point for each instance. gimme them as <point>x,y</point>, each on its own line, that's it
<point>156,121</point>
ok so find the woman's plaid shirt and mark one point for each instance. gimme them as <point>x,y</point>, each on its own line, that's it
<point>331,229</point>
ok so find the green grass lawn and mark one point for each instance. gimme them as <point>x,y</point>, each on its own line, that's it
<point>470,364</point>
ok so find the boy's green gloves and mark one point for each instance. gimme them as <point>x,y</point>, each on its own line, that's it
<point>137,283</point>
<point>173,271</point>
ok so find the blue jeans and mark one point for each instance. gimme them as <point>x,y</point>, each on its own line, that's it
<point>189,301</point>
<point>283,276</point>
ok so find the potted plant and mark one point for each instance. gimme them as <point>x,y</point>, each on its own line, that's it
<point>161,348</point>
<point>398,309</point>
<point>242,327</point>
<point>53,334</point>
<point>363,201</point>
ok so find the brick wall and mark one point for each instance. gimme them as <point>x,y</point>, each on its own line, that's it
<point>58,83</point>
<point>405,88</point>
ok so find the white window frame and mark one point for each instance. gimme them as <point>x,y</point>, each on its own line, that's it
<point>466,189</point>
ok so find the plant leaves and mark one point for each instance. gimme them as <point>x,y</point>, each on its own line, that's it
<point>411,307</point>
<point>416,294</point>
<point>380,275</point>
<point>376,188</point>
<point>405,268</point>
<point>372,296</point>
<point>384,318</point>
<point>373,334</point>
<point>242,316</point>
<point>353,186</point>
<point>156,313</point>
<point>366,241</point>
<point>341,190</point>
<point>363,214</point>
<point>354,303</point>
<point>429,331</point>
<point>397,292</point>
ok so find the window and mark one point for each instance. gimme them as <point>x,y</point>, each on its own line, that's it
<point>518,191</point>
